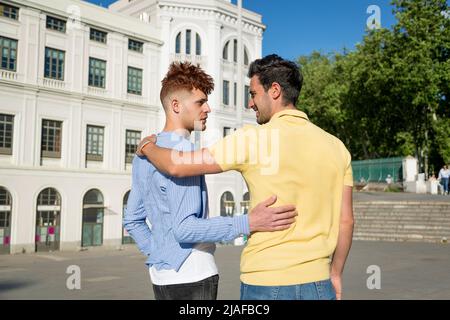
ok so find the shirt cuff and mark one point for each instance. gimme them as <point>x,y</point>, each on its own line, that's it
<point>241,225</point>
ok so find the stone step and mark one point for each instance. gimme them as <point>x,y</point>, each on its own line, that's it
<point>374,208</point>
<point>447,210</point>
<point>403,203</point>
<point>415,208</point>
<point>400,219</point>
<point>433,232</point>
<point>400,235</point>
<point>401,207</point>
<point>401,225</point>
<point>372,220</point>
<point>400,214</point>
<point>398,239</point>
<point>443,202</point>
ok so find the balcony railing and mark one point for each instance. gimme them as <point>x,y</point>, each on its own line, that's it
<point>97,91</point>
<point>135,98</point>
<point>52,83</point>
<point>195,59</point>
<point>233,65</point>
<point>228,107</point>
<point>8,75</point>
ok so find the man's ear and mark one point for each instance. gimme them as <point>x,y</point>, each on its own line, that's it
<point>275,90</point>
<point>175,105</point>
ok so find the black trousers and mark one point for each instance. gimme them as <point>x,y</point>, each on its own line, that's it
<point>202,290</point>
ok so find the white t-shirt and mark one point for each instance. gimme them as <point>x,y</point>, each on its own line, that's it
<point>444,173</point>
<point>199,265</point>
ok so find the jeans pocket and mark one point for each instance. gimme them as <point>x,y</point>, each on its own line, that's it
<point>250,292</point>
<point>243,291</point>
<point>325,290</point>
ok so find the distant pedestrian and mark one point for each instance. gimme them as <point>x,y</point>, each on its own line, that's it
<point>389,179</point>
<point>444,175</point>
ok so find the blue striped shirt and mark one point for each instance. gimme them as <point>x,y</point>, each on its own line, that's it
<point>176,209</point>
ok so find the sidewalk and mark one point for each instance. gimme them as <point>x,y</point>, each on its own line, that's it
<point>408,271</point>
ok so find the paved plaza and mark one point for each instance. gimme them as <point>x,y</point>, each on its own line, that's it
<point>408,271</point>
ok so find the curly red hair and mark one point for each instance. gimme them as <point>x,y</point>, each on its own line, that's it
<point>185,75</point>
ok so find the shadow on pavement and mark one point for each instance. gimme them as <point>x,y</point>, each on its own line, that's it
<point>14,284</point>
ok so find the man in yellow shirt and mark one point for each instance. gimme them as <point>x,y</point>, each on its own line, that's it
<point>290,157</point>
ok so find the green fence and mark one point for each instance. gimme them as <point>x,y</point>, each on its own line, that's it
<point>377,170</point>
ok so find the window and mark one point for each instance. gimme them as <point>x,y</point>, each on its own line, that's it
<point>226,92</point>
<point>245,204</point>
<point>4,221</point>
<point>9,11</point>
<point>235,94</point>
<point>132,139</point>
<point>97,72</point>
<point>5,197</point>
<point>178,43</point>
<point>225,51</point>
<point>49,197</point>
<point>126,238</point>
<point>188,41</point>
<point>246,96</point>
<point>227,204</point>
<point>5,215</point>
<point>97,35</point>
<point>8,48</point>
<point>6,133</point>
<point>226,131</point>
<point>56,24</point>
<point>93,212</point>
<point>94,143</point>
<point>198,45</point>
<point>54,64</point>
<point>135,45</point>
<point>134,80</point>
<point>51,139</point>
<point>225,54</point>
<point>48,220</point>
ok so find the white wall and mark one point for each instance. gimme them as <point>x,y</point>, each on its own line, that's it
<point>30,98</point>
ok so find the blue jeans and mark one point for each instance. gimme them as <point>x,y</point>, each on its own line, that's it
<point>320,290</point>
<point>205,289</point>
<point>445,184</point>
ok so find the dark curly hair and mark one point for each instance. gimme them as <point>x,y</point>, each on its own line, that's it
<point>273,68</point>
<point>185,75</point>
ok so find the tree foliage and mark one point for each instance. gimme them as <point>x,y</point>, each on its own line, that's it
<point>390,96</point>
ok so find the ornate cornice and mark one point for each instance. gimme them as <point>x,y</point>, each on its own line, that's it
<point>220,15</point>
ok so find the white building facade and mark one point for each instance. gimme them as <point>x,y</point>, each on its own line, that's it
<point>80,87</point>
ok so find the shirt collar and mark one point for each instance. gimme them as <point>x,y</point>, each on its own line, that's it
<point>290,113</point>
<point>176,134</point>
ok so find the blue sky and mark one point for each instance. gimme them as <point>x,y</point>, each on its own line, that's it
<point>298,27</point>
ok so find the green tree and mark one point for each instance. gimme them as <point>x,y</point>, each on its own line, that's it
<point>389,97</point>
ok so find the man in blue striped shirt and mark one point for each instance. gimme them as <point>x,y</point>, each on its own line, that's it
<point>168,216</point>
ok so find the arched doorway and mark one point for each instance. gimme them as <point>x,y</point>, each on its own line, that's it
<point>48,217</point>
<point>126,238</point>
<point>5,220</point>
<point>93,212</point>
<point>227,204</point>
<point>245,204</point>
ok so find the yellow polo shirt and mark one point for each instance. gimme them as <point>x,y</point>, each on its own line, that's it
<point>303,165</point>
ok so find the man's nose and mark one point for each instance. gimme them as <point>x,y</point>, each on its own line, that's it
<point>250,103</point>
<point>206,108</point>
